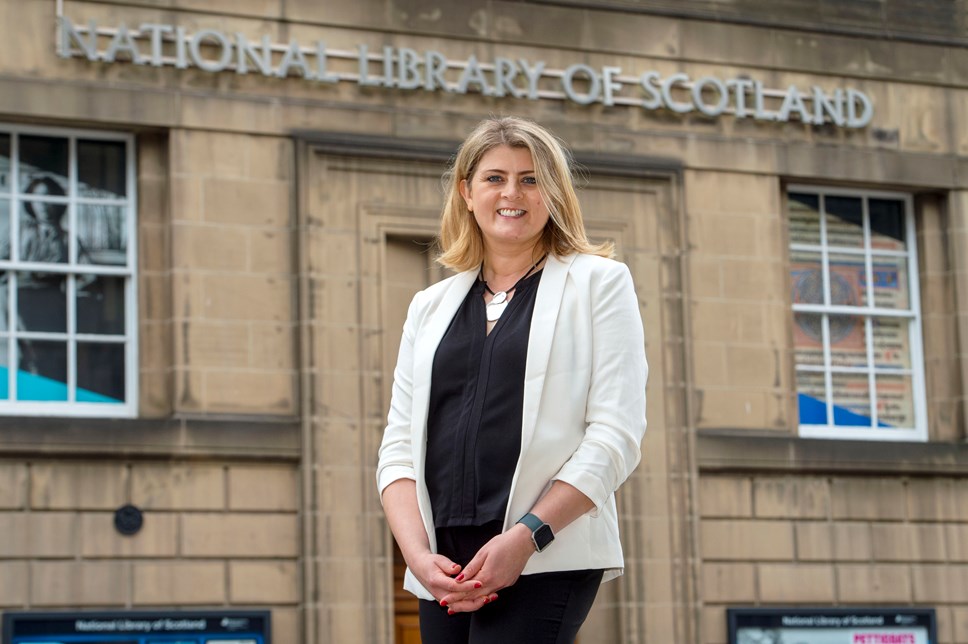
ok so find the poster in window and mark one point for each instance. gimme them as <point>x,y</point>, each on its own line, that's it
<point>895,400</point>
<point>806,278</point>
<point>851,394</point>
<point>804,219</point>
<point>891,343</point>
<point>855,625</point>
<point>848,346</point>
<point>807,338</point>
<point>887,224</point>
<point>811,397</point>
<point>890,282</point>
<point>845,221</point>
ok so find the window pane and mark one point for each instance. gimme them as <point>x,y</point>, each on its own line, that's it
<point>847,344</point>
<point>806,277</point>
<point>42,302</point>
<point>100,304</point>
<point>4,229</point>
<point>895,401</point>
<point>4,370</point>
<point>43,234</point>
<point>102,235</point>
<point>101,169</point>
<point>5,166</point>
<point>811,398</point>
<point>808,338</point>
<point>847,283</point>
<point>100,372</point>
<point>852,399</point>
<point>891,282</point>
<point>845,221</point>
<point>804,218</point>
<point>887,223</point>
<point>42,374</point>
<point>43,165</point>
<point>892,349</point>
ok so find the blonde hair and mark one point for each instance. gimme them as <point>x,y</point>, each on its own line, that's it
<point>460,242</point>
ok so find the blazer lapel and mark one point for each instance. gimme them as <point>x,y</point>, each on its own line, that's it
<point>547,305</point>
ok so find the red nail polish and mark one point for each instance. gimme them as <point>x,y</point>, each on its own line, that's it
<point>443,602</point>
<point>477,584</point>
<point>460,577</point>
<point>486,600</point>
<point>450,611</point>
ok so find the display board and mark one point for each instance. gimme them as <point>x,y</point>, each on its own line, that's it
<point>137,627</point>
<point>831,626</point>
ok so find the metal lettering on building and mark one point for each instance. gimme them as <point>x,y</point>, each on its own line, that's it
<point>403,68</point>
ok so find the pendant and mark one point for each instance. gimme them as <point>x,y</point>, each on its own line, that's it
<point>496,306</point>
<point>494,311</point>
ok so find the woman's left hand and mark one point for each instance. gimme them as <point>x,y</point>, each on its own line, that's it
<point>495,566</point>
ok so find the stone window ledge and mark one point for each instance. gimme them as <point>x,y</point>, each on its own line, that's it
<point>233,437</point>
<point>739,450</point>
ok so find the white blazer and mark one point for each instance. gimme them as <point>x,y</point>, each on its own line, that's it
<point>584,403</point>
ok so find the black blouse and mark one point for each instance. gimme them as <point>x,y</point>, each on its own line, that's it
<point>476,403</point>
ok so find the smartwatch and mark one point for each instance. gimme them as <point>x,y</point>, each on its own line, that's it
<point>541,533</point>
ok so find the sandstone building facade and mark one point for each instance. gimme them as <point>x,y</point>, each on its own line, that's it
<point>213,216</point>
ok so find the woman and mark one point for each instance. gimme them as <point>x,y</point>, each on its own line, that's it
<point>518,403</point>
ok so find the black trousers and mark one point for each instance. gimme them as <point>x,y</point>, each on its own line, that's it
<point>545,608</point>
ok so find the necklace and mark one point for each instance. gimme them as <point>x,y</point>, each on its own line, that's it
<point>499,301</point>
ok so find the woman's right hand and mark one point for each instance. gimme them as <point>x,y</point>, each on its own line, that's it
<point>436,573</point>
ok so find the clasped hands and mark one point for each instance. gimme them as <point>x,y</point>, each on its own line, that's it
<point>497,565</point>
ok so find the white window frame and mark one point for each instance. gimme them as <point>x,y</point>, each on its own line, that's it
<point>71,407</point>
<point>918,433</point>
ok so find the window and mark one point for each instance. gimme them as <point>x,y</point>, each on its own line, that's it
<point>857,332</point>
<point>67,260</point>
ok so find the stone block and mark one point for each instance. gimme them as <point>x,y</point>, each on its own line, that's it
<point>270,250</point>
<point>725,496</point>
<point>713,624</point>
<point>178,487</point>
<point>871,584</point>
<point>208,154</point>
<point>158,536</point>
<point>179,582</point>
<point>908,542</point>
<point>186,198</point>
<point>795,583</point>
<point>956,541</point>
<point>852,541</point>
<point>709,365</point>
<point>753,279</point>
<point>240,535</point>
<point>733,193</point>
<point>749,540</point>
<point>937,499</point>
<point>943,584</point>
<point>13,590</point>
<point>734,409</point>
<point>52,534</point>
<point>13,485</point>
<point>959,619</point>
<point>76,486</point>
<point>257,487</point>
<point>727,321</point>
<point>247,297</point>
<point>209,247</point>
<point>814,540</point>
<point>753,366</point>
<point>247,202</point>
<point>78,583</point>
<point>793,497</point>
<point>264,582</point>
<point>728,583</point>
<point>246,392</point>
<point>272,345</point>
<point>16,536</point>
<point>269,158</point>
<point>862,498</point>
<point>723,235</point>
<point>287,625</point>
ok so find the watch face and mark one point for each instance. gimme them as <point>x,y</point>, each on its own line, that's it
<point>543,536</point>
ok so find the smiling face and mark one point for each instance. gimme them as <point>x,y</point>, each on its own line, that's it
<point>504,198</point>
